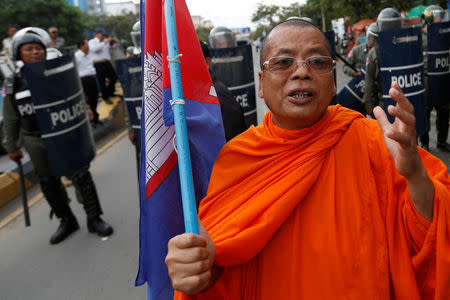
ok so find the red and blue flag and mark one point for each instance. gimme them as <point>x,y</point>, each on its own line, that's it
<point>161,215</point>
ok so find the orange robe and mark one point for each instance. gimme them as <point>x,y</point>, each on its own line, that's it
<point>321,213</point>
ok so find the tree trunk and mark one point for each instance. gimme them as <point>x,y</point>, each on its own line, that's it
<point>324,27</point>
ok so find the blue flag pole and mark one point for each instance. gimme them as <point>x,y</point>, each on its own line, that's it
<point>177,102</point>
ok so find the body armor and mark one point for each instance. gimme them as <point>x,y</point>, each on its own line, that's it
<point>21,96</point>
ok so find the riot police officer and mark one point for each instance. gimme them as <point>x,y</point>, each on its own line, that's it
<point>19,116</point>
<point>136,51</point>
<point>222,37</point>
<point>434,14</point>
<point>389,18</point>
<point>358,55</point>
<point>43,34</point>
<point>231,111</point>
<point>136,38</point>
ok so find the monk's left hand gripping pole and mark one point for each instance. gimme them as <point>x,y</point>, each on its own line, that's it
<point>177,102</point>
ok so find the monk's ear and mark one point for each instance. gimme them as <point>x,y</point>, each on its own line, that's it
<point>260,89</point>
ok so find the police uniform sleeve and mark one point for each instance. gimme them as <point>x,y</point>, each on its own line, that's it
<point>127,119</point>
<point>351,60</point>
<point>370,97</point>
<point>11,125</point>
<point>232,112</point>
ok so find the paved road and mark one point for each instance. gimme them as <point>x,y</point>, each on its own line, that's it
<point>85,266</point>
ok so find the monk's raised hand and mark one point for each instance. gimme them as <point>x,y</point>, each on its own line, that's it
<point>400,136</point>
<point>189,260</point>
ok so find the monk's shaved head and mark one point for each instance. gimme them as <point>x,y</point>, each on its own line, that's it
<point>292,22</point>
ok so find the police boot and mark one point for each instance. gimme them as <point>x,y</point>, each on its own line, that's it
<point>56,196</point>
<point>67,226</point>
<point>99,226</point>
<point>444,146</point>
<point>85,185</point>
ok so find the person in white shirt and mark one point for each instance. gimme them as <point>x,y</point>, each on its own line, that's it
<point>55,40</point>
<point>107,77</point>
<point>7,42</point>
<point>86,70</point>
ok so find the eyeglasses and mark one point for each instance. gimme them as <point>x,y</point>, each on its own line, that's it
<point>287,64</point>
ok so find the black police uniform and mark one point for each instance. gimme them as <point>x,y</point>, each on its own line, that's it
<point>232,112</point>
<point>19,116</point>
<point>442,112</point>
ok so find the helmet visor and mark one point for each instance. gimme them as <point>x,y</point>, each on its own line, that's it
<point>389,23</point>
<point>136,37</point>
<point>223,39</point>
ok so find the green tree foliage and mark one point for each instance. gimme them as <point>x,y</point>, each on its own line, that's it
<point>261,31</point>
<point>118,27</point>
<point>266,16</point>
<point>203,33</point>
<point>355,9</point>
<point>72,23</point>
<point>68,19</point>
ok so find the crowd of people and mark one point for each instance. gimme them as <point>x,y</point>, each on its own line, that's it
<point>20,126</point>
<point>317,202</point>
<point>21,122</point>
<point>366,56</point>
<point>98,78</point>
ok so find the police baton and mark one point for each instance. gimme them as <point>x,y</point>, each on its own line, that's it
<point>138,158</point>
<point>346,62</point>
<point>24,193</point>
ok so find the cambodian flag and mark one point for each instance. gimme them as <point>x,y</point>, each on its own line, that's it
<point>161,215</point>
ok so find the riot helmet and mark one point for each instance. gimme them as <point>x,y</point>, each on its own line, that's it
<point>433,14</point>
<point>389,18</point>
<point>372,35</point>
<point>26,36</point>
<point>222,37</point>
<point>372,30</point>
<point>130,50</point>
<point>36,30</point>
<point>133,51</point>
<point>136,37</point>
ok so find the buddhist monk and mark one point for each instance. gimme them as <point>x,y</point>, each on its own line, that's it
<point>318,202</point>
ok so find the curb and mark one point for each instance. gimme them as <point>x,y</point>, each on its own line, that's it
<point>10,186</point>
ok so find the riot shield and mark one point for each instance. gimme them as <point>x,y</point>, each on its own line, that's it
<point>352,94</point>
<point>234,67</point>
<point>58,100</point>
<point>129,72</point>
<point>438,63</point>
<point>330,37</point>
<point>401,60</point>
